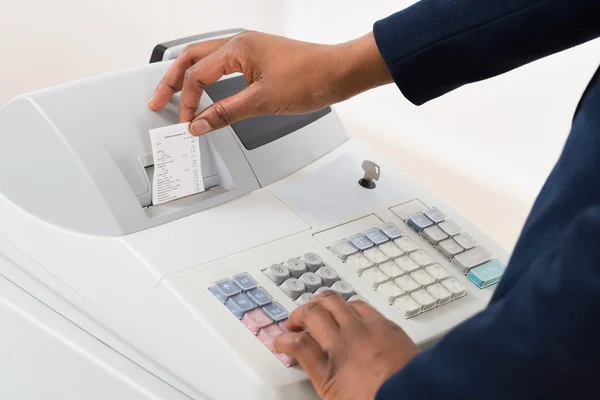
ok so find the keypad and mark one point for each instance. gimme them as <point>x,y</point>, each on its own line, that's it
<point>450,241</point>
<point>396,268</point>
<point>254,306</point>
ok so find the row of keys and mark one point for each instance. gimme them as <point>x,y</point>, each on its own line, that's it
<point>452,243</point>
<point>301,278</point>
<point>255,308</point>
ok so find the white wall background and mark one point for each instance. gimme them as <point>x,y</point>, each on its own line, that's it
<point>501,136</point>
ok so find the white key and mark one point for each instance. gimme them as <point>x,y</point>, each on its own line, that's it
<point>328,275</point>
<point>405,244</point>
<point>358,297</point>
<point>390,250</point>
<point>303,299</point>
<point>454,287</point>
<point>358,263</point>
<point>389,290</point>
<point>437,271</point>
<point>407,283</point>
<point>322,289</point>
<point>296,266</point>
<point>342,249</point>
<point>407,306</point>
<point>425,299</point>
<point>313,261</point>
<point>421,258</point>
<point>407,264</point>
<point>440,293</point>
<point>312,281</point>
<point>293,288</point>
<point>391,269</point>
<point>422,278</point>
<point>277,273</point>
<point>344,289</point>
<point>373,277</point>
<point>375,256</point>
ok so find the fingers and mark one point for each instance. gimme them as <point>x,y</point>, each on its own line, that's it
<point>303,348</point>
<point>173,79</point>
<point>318,321</point>
<point>242,105</point>
<point>364,310</point>
<point>341,311</point>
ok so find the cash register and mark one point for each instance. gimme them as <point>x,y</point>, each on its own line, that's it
<point>105,295</point>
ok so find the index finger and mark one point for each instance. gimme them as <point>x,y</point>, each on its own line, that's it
<point>172,81</point>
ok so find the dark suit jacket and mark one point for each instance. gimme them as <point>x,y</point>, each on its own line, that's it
<point>539,338</point>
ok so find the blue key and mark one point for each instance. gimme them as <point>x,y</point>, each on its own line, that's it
<point>418,222</point>
<point>376,236</point>
<point>360,241</point>
<point>276,312</point>
<point>244,281</point>
<point>260,296</point>
<point>240,304</point>
<point>435,215</point>
<point>391,231</point>
<point>224,289</point>
<point>487,274</point>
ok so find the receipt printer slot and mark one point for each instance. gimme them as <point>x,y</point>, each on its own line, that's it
<point>216,180</point>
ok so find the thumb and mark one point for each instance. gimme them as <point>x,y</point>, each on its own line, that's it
<point>242,105</point>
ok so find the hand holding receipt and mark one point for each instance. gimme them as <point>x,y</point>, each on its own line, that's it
<point>177,164</point>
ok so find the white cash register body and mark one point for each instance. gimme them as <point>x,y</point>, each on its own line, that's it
<point>104,296</point>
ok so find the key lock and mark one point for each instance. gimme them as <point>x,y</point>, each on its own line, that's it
<point>372,171</point>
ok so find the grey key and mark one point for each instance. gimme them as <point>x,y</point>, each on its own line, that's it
<point>471,258</point>
<point>322,289</point>
<point>313,261</point>
<point>449,248</point>
<point>303,299</point>
<point>342,248</point>
<point>418,222</point>
<point>434,235</point>
<point>465,241</point>
<point>296,266</point>
<point>435,215</point>
<point>344,289</point>
<point>312,281</point>
<point>450,228</point>
<point>358,297</point>
<point>328,275</point>
<point>277,273</point>
<point>361,242</point>
<point>293,288</point>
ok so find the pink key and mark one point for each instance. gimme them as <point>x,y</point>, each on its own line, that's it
<point>267,337</point>
<point>255,320</point>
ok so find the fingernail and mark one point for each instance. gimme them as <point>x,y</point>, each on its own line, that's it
<point>151,100</point>
<point>200,127</point>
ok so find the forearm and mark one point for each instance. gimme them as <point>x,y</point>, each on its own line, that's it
<point>436,46</point>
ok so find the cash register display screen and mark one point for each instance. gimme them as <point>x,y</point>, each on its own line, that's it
<point>258,131</point>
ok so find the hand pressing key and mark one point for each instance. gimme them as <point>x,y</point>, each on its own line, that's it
<point>351,350</point>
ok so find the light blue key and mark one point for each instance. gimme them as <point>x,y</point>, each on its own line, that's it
<point>240,304</point>
<point>435,215</point>
<point>260,296</point>
<point>224,289</point>
<point>391,231</point>
<point>276,312</point>
<point>418,222</point>
<point>361,242</point>
<point>487,274</point>
<point>376,236</point>
<point>244,281</point>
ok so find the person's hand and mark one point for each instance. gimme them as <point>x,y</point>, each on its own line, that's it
<point>351,349</point>
<point>284,76</point>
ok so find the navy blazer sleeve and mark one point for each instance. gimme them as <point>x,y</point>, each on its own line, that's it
<point>538,337</point>
<point>436,46</point>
